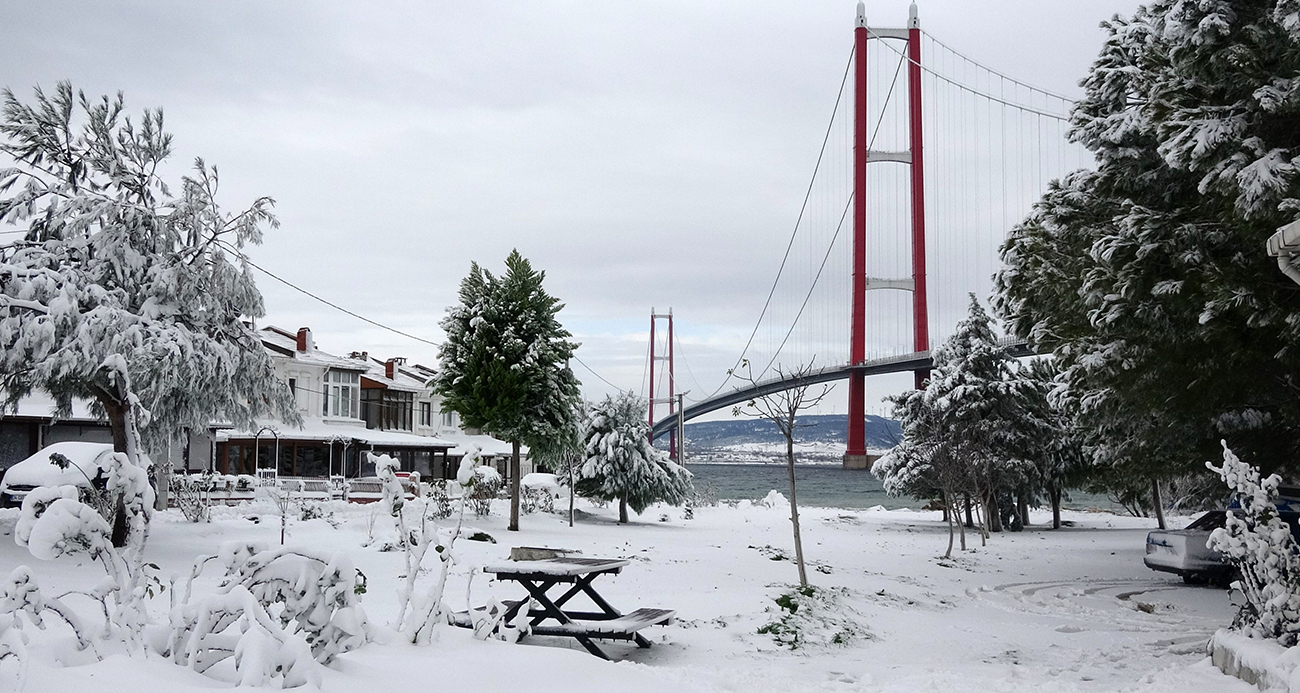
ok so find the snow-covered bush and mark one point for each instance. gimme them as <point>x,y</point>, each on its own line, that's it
<point>54,523</point>
<point>192,493</point>
<point>22,595</point>
<point>540,492</point>
<point>813,616</point>
<point>484,487</point>
<point>277,612</point>
<point>1260,545</point>
<point>439,499</point>
<point>235,624</point>
<point>13,654</point>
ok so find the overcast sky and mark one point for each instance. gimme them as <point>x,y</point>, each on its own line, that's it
<point>642,154</point>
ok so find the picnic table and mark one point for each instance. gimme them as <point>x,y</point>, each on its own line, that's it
<point>574,575</point>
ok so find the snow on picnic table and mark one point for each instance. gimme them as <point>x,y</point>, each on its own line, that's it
<point>1067,610</point>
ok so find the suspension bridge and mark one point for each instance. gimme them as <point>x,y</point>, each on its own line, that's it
<point>928,160</point>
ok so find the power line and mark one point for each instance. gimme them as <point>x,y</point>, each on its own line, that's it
<point>358,316</point>
<point>593,372</point>
<point>329,303</point>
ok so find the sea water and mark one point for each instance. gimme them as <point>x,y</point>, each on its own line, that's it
<point>828,486</point>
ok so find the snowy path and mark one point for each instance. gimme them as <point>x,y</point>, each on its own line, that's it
<point>1071,610</point>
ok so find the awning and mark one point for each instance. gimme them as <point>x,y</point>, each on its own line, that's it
<point>327,432</point>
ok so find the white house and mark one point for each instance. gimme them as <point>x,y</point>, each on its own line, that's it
<point>349,405</point>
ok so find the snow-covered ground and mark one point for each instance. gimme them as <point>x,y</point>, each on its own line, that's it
<point>1067,610</point>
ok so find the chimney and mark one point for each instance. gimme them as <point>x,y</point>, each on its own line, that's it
<point>390,368</point>
<point>305,343</point>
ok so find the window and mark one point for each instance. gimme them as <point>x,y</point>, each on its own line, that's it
<point>293,388</point>
<point>449,419</point>
<point>387,409</point>
<point>426,414</point>
<point>342,389</point>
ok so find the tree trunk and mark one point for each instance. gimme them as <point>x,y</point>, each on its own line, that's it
<point>572,493</point>
<point>962,528</point>
<point>794,509</point>
<point>947,509</point>
<point>970,522</point>
<point>163,473</point>
<point>115,410</point>
<point>992,513</point>
<point>947,517</point>
<point>1158,503</point>
<point>1022,507</point>
<point>622,511</point>
<point>514,486</point>
<point>1055,492</point>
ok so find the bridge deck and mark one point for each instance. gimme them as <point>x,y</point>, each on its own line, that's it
<point>916,361</point>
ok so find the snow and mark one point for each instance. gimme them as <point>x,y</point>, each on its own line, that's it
<point>541,481</point>
<point>562,566</point>
<point>37,470</point>
<point>322,429</point>
<point>1066,610</point>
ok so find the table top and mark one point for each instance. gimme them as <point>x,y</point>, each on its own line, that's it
<point>563,566</point>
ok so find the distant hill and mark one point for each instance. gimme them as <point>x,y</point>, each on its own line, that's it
<point>820,436</point>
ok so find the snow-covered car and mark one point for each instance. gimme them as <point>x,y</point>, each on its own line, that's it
<point>1185,552</point>
<point>91,461</point>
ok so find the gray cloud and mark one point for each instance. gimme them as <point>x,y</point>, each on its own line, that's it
<point>643,154</point>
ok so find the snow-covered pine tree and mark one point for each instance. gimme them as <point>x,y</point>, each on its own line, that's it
<point>119,292</point>
<point>979,400</point>
<point>1147,277</point>
<point>505,364</point>
<point>622,464</point>
<point>967,430</point>
<point>924,464</point>
<point>1054,447</point>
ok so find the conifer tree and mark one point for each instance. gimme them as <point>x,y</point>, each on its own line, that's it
<point>967,431</point>
<point>1147,277</point>
<point>621,463</point>
<point>505,364</point>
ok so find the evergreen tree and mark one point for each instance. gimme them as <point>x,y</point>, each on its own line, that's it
<point>1054,445</point>
<point>118,292</point>
<point>622,464</point>
<point>968,430</point>
<point>505,364</point>
<point>1147,278</point>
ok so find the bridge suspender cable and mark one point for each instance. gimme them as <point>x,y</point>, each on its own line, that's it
<point>766,304</point>
<point>844,215</point>
<point>1008,78</point>
<point>990,97</point>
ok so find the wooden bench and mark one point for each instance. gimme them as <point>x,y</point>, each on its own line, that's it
<point>624,627</point>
